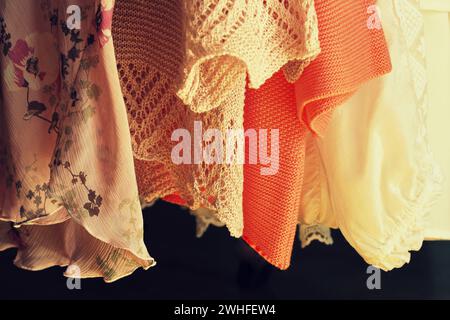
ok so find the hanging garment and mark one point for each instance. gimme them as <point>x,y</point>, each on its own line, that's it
<point>68,192</point>
<point>436,15</point>
<point>351,54</point>
<point>183,65</point>
<point>372,174</point>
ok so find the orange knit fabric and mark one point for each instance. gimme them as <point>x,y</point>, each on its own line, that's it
<point>351,55</point>
<point>271,202</point>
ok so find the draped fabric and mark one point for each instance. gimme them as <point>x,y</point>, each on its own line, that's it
<point>68,192</point>
<point>351,54</point>
<point>378,179</point>
<point>186,63</point>
<point>436,22</point>
<point>261,116</point>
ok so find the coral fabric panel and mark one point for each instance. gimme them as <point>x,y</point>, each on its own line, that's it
<point>351,54</point>
<point>271,201</point>
<point>353,51</point>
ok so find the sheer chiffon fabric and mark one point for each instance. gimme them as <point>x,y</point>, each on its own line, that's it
<point>68,192</point>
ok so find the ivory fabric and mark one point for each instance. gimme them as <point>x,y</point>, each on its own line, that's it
<point>436,15</point>
<point>375,178</point>
<point>351,54</point>
<point>68,192</point>
<point>186,61</point>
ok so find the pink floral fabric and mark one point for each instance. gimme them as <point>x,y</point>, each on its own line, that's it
<point>68,192</point>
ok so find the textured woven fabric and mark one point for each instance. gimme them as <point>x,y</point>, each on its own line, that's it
<point>186,61</point>
<point>351,54</point>
<point>68,191</point>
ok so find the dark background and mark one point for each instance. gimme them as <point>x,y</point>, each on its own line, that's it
<point>217,266</point>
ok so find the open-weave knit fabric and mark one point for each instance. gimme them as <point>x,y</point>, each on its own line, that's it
<point>263,36</point>
<point>351,54</point>
<point>68,192</point>
<point>185,61</point>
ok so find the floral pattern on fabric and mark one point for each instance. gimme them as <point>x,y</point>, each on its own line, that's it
<point>64,170</point>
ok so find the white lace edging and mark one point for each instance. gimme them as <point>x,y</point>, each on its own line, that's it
<point>309,233</point>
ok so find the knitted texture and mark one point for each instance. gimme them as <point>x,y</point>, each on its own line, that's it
<point>262,36</point>
<point>270,201</point>
<point>201,51</point>
<point>150,58</point>
<point>351,54</point>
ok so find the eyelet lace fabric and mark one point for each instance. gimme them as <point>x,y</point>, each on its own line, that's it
<point>68,192</point>
<point>187,62</point>
<point>361,148</point>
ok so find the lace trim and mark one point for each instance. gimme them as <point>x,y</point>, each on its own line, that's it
<point>309,233</point>
<point>255,37</point>
<point>204,218</point>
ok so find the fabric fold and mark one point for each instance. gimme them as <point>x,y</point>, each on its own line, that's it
<point>258,37</point>
<point>381,177</point>
<point>67,185</point>
<point>183,73</point>
<point>353,51</point>
<point>351,54</point>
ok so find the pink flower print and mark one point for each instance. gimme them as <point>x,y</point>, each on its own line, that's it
<point>106,23</point>
<point>32,62</point>
<point>19,56</point>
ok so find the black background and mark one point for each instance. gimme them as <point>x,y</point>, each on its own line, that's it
<point>217,266</point>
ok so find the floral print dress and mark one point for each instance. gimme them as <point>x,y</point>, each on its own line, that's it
<point>68,192</point>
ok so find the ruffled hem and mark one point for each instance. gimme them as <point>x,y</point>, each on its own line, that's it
<point>223,42</point>
<point>69,244</point>
<point>407,233</point>
<point>199,89</point>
